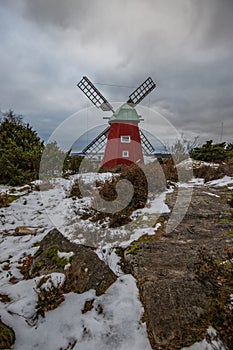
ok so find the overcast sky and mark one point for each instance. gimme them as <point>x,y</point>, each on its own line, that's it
<point>184,45</point>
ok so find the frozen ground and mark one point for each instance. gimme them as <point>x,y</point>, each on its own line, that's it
<point>115,320</point>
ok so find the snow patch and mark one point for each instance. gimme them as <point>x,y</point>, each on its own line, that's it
<point>55,279</point>
<point>65,254</point>
<point>226,180</point>
<point>211,194</point>
<point>213,342</point>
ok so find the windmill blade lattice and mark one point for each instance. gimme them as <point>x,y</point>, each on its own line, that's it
<point>131,154</point>
<point>146,144</point>
<point>141,92</point>
<point>94,95</point>
<point>95,145</point>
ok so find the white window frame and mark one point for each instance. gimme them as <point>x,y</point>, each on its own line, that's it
<point>123,140</point>
<point>125,154</point>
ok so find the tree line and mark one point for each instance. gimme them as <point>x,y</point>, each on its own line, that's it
<point>21,150</point>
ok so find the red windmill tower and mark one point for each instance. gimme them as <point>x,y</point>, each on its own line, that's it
<point>125,141</point>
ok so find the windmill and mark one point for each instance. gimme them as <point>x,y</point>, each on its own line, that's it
<point>125,141</point>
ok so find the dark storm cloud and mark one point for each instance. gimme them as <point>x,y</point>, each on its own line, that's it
<point>219,24</point>
<point>185,45</point>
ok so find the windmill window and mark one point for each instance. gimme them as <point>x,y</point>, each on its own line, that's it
<point>125,139</point>
<point>125,154</point>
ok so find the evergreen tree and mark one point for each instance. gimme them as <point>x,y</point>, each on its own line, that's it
<point>210,152</point>
<point>20,150</point>
<point>229,150</point>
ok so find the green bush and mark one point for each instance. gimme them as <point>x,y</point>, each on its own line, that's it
<point>20,150</point>
<point>211,152</point>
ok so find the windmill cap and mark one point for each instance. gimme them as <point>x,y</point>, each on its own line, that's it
<point>125,113</point>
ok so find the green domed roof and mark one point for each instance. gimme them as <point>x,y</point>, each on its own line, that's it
<point>125,113</point>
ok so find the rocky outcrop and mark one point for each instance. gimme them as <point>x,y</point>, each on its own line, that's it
<point>83,270</point>
<point>174,298</point>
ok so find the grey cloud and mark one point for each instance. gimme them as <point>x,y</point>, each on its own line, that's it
<point>55,12</point>
<point>219,25</point>
<point>185,46</point>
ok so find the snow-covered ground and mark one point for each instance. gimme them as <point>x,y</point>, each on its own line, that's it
<point>117,326</point>
<point>115,319</point>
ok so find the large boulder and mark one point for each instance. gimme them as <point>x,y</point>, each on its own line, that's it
<point>83,269</point>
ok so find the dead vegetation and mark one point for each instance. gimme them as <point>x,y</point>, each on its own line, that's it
<point>209,172</point>
<point>4,200</point>
<point>7,336</point>
<point>146,180</point>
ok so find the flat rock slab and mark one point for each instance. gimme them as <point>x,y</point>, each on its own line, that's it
<point>86,271</point>
<point>163,266</point>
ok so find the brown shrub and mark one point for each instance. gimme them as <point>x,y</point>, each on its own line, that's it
<point>4,200</point>
<point>144,179</point>
<point>210,173</point>
<point>169,169</point>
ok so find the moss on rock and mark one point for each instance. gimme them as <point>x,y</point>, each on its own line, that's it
<point>52,253</point>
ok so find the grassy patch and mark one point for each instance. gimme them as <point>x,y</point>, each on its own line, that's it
<point>12,198</point>
<point>133,249</point>
<point>51,253</point>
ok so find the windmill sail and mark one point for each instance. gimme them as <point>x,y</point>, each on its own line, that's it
<point>141,92</point>
<point>94,95</point>
<point>95,145</point>
<point>146,144</point>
